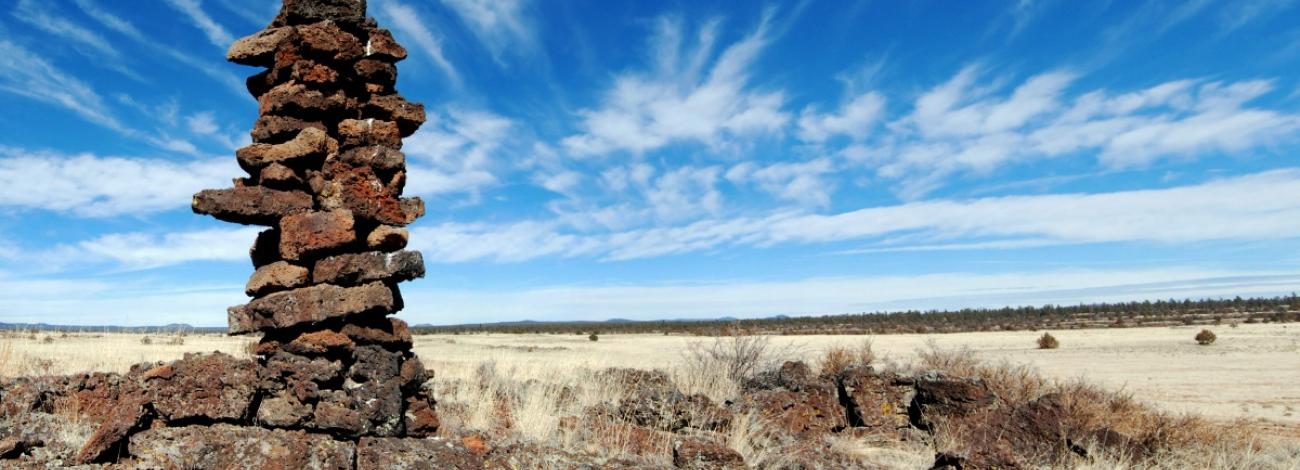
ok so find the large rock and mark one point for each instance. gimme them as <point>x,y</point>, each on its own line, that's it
<point>251,204</point>
<point>392,333</point>
<point>310,142</point>
<point>259,48</point>
<point>876,401</point>
<point>382,46</point>
<point>309,305</point>
<point>939,396</point>
<point>276,129</point>
<point>358,268</point>
<point>359,190</point>
<point>377,157</point>
<point>296,12</point>
<point>224,446</point>
<point>307,234</point>
<point>325,40</point>
<point>295,100</point>
<point>796,401</point>
<point>415,454</point>
<point>387,238</point>
<point>275,277</point>
<point>202,387</point>
<point>697,454</point>
<point>408,116</point>
<point>365,132</point>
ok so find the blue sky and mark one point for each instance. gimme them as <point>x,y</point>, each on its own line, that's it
<point>602,159</point>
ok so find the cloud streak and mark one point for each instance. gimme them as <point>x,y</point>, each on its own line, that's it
<point>1261,206</point>
<point>193,10</point>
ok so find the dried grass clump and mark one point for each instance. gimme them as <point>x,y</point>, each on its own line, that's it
<point>1047,341</point>
<point>1205,338</point>
<point>838,359</point>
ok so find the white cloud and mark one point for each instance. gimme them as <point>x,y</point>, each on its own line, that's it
<point>959,127</point>
<point>805,183</point>
<point>500,24</point>
<point>409,26</point>
<point>822,296</point>
<point>93,186</point>
<point>193,10</point>
<point>144,250</point>
<point>682,101</point>
<point>34,14</point>
<point>454,153</point>
<point>1261,206</point>
<point>26,74</point>
<point>205,124</point>
<point>205,66</point>
<point>854,119</point>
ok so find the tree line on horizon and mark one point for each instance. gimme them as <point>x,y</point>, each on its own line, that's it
<point>1170,312</point>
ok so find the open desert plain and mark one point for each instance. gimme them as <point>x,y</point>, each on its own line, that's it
<point>536,388</point>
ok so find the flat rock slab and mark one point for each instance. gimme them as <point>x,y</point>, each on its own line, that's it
<point>357,268</point>
<point>250,205</point>
<point>308,234</point>
<point>309,305</point>
<point>226,446</point>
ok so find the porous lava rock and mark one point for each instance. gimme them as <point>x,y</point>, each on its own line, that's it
<point>325,172</point>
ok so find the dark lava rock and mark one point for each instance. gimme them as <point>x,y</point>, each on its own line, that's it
<point>225,446</point>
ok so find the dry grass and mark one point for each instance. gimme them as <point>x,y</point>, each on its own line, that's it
<point>527,386</point>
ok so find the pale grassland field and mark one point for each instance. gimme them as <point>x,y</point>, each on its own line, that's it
<point>1251,372</point>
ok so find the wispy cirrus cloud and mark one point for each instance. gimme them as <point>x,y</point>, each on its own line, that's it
<point>965,127</point>
<point>27,74</point>
<point>1260,206</point>
<point>455,152</point>
<point>206,66</point>
<point>410,26</point>
<point>193,10</point>
<point>685,97</point>
<point>501,25</point>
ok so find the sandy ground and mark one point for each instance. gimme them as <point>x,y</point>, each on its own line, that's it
<point>1251,372</point>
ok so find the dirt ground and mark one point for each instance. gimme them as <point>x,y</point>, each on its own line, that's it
<point>1251,372</point>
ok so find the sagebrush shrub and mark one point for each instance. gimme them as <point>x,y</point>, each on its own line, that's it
<point>1047,341</point>
<point>1205,338</point>
<point>593,337</point>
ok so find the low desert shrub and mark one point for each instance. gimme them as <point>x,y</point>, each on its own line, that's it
<point>146,341</point>
<point>1205,338</point>
<point>593,337</point>
<point>839,358</point>
<point>48,339</point>
<point>1047,341</point>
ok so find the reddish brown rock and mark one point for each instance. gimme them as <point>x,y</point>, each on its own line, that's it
<point>416,454</point>
<point>413,375</point>
<point>357,268</point>
<point>207,387</point>
<point>408,116</point>
<point>796,401</point>
<point>392,333</point>
<point>377,157</point>
<point>938,395</point>
<point>296,12</point>
<point>697,454</point>
<point>420,418</point>
<point>329,42</point>
<point>315,74</point>
<point>128,416</point>
<point>250,205</point>
<point>359,190</point>
<point>376,72</point>
<point>276,129</point>
<point>387,238</point>
<point>413,208</point>
<point>312,233</point>
<point>275,277</point>
<point>259,48</point>
<point>381,45</point>
<point>266,248</point>
<point>366,132</point>
<point>283,410</point>
<point>310,142</point>
<point>297,101</point>
<point>876,401</point>
<point>309,305</point>
<point>278,176</point>
<point>227,446</point>
<point>320,343</point>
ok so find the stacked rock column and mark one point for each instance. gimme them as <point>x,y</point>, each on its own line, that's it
<point>326,173</point>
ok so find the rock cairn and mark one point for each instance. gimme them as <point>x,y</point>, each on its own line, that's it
<point>325,173</point>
